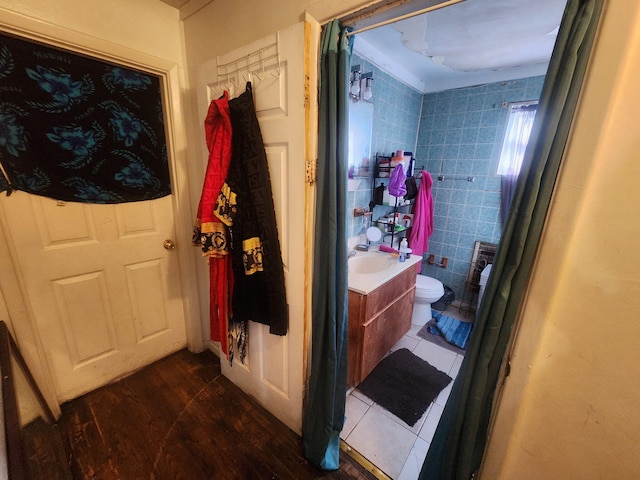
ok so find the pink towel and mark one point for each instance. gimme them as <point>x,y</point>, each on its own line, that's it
<point>422,218</point>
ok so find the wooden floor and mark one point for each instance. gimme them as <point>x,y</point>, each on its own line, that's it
<point>181,419</point>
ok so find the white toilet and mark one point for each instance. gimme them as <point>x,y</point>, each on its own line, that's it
<point>428,291</point>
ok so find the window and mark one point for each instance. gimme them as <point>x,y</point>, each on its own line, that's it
<point>516,137</point>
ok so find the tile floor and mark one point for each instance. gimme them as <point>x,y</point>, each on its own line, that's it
<point>389,443</point>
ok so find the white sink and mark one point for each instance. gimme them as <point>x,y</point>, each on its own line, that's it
<point>370,263</point>
<point>369,270</point>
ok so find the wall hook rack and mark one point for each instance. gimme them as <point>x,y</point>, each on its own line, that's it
<point>251,66</point>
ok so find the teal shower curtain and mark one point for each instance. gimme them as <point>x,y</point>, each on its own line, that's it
<point>458,445</point>
<point>326,393</point>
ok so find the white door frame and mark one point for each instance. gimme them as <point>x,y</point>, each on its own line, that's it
<point>22,322</point>
<point>312,33</point>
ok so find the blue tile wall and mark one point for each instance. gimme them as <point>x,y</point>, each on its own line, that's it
<point>396,116</point>
<point>461,134</point>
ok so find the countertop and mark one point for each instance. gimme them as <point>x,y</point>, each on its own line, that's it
<point>365,283</point>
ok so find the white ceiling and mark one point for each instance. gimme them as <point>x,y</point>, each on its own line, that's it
<point>469,43</point>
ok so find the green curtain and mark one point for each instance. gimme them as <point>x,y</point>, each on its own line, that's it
<point>458,445</point>
<point>326,394</point>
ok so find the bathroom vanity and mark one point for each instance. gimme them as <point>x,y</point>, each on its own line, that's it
<point>381,294</point>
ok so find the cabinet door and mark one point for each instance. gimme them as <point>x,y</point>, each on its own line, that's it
<point>384,330</point>
<point>380,299</point>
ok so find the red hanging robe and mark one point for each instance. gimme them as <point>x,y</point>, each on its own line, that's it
<point>210,231</point>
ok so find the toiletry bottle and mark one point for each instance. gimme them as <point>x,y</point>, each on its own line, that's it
<point>386,198</point>
<point>403,250</point>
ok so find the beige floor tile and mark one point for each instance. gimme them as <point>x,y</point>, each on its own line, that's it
<point>455,369</point>
<point>437,357</point>
<point>407,342</point>
<point>382,441</point>
<point>430,424</point>
<point>354,411</point>
<point>412,466</point>
<point>413,331</point>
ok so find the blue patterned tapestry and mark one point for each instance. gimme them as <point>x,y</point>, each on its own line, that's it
<point>79,129</point>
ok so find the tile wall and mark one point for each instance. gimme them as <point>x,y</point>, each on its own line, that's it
<point>461,134</point>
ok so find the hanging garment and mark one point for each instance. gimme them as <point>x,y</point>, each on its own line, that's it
<point>397,186</point>
<point>78,129</point>
<point>412,188</point>
<point>215,210</point>
<point>259,289</point>
<point>423,217</point>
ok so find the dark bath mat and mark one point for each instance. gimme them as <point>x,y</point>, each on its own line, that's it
<point>404,384</point>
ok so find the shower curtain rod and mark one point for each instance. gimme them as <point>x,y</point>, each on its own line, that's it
<point>404,17</point>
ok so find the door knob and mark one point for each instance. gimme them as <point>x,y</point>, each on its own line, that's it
<point>169,245</point>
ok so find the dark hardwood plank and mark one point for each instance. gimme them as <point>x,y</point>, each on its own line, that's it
<point>179,418</point>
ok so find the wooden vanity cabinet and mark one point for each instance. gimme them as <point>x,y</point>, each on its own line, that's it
<point>377,321</point>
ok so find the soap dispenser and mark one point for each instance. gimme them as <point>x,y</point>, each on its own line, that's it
<point>403,250</point>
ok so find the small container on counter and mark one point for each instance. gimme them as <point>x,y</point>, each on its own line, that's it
<point>403,250</point>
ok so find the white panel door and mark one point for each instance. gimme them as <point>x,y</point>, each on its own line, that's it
<point>273,370</point>
<point>103,290</point>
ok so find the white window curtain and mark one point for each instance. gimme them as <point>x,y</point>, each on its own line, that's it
<point>516,138</point>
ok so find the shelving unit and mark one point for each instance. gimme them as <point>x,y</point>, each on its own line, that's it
<point>391,229</point>
<point>396,230</point>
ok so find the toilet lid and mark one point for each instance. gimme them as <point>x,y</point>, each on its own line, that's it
<point>429,285</point>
